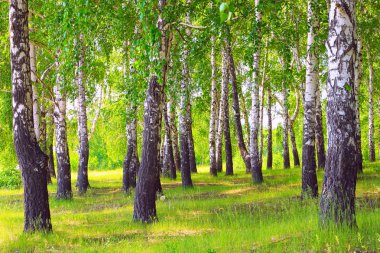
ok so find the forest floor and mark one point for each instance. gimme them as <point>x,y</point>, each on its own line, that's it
<point>223,214</point>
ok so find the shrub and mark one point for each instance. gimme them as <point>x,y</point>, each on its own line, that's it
<point>10,179</point>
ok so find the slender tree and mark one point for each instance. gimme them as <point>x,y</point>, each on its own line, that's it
<point>269,140</point>
<point>64,190</point>
<point>174,135</point>
<point>82,179</point>
<point>184,118</point>
<point>192,161</point>
<point>236,107</point>
<point>292,119</point>
<point>213,111</point>
<point>226,123</point>
<point>169,168</point>
<point>358,77</point>
<point>309,175</point>
<point>32,161</point>
<point>36,109</point>
<point>372,155</point>
<point>285,128</point>
<point>343,159</point>
<point>219,133</point>
<point>257,175</point>
<point>319,135</point>
<point>131,161</point>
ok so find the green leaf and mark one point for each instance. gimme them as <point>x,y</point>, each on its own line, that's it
<point>347,87</point>
<point>224,12</point>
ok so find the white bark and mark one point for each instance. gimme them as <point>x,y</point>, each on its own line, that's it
<point>309,178</point>
<point>213,110</point>
<point>343,155</point>
<point>372,156</point>
<point>255,110</point>
<point>36,109</point>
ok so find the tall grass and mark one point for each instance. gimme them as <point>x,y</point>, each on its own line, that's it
<point>223,214</point>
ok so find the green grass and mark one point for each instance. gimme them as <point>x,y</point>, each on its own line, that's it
<point>223,214</point>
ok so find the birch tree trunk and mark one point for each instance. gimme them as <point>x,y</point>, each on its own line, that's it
<point>43,135</point>
<point>261,131</point>
<point>226,112</point>
<point>184,133</point>
<point>32,161</point>
<point>319,136</point>
<point>131,161</point>
<point>309,166</point>
<point>149,172</point>
<point>192,161</point>
<point>82,179</point>
<point>219,133</point>
<point>269,140</point>
<point>64,190</point>
<point>285,128</point>
<point>236,107</point>
<point>49,139</point>
<point>358,77</point>
<point>185,123</point>
<point>169,168</point>
<point>145,196</point>
<point>213,111</point>
<point>372,155</point>
<point>245,113</point>
<point>296,159</point>
<point>262,100</point>
<point>255,113</point>
<point>343,154</point>
<point>174,135</point>
<point>36,109</point>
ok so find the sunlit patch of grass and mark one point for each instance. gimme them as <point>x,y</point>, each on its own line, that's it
<point>220,214</point>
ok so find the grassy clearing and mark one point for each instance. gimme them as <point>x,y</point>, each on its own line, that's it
<point>223,214</point>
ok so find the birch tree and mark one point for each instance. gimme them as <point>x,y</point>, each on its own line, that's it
<point>82,179</point>
<point>343,159</point>
<point>255,110</point>
<point>32,161</point>
<point>64,190</point>
<point>309,175</point>
<point>213,111</point>
<point>372,154</point>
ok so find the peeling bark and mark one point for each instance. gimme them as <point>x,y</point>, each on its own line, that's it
<point>343,154</point>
